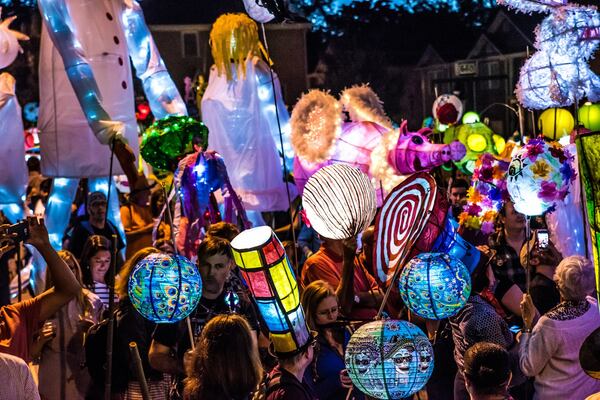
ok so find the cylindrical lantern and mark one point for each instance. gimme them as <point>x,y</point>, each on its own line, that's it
<point>555,123</point>
<point>339,201</point>
<point>589,116</point>
<point>435,285</point>
<point>165,288</point>
<point>539,175</point>
<point>269,275</point>
<point>389,359</point>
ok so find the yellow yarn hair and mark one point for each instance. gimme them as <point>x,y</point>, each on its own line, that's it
<point>233,38</point>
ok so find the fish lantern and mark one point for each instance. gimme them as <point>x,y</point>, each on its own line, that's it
<point>487,195</point>
<point>539,175</point>
<point>435,285</point>
<point>389,359</point>
<point>165,288</point>
<point>555,123</point>
<point>447,109</point>
<point>269,275</point>
<point>478,139</point>
<point>339,201</point>
<point>589,116</point>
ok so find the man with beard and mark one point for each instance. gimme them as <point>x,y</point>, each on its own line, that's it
<point>95,223</point>
<point>222,293</point>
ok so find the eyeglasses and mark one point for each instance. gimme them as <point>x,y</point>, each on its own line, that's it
<point>332,310</point>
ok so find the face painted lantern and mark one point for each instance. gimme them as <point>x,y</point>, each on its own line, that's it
<point>389,359</point>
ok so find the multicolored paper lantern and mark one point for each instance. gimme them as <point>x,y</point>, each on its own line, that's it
<point>269,275</point>
<point>389,359</point>
<point>435,285</point>
<point>589,116</point>
<point>167,140</point>
<point>165,288</point>
<point>539,175</point>
<point>339,201</point>
<point>555,123</point>
<point>487,194</point>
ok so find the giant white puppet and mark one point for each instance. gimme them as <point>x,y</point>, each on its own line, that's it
<point>14,180</point>
<point>86,95</point>
<point>242,106</point>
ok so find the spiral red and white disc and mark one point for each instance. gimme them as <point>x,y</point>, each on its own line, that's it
<point>401,221</point>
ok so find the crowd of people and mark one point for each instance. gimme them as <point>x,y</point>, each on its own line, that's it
<point>503,344</point>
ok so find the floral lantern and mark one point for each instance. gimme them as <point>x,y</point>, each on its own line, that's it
<point>267,271</point>
<point>589,116</point>
<point>539,175</point>
<point>389,359</point>
<point>479,139</point>
<point>339,201</point>
<point>435,285</point>
<point>487,195</point>
<point>165,288</point>
<point>555,123</point>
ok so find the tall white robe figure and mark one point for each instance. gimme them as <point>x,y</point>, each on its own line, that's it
<point>238,108</point>
<point>86,89</point>
<point>12,152</point>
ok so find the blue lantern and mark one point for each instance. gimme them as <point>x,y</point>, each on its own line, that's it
<point>450,242</point>
<point>435,285</point>
<point>165,288</point>
<point>389,359</point>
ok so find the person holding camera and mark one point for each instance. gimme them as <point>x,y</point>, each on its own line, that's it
<point>543,258</point>
<point>19,321</point>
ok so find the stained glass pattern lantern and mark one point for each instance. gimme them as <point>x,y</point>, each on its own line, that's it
<point>165,288</point>
<point>435,285</point>
<point>389,359</point>
<point>269,275</point>
<point>339,201</point>
<point>539,175</point>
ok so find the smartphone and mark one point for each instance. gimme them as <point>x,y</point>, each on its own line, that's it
<point>542,238</point>
<point>21,231</point>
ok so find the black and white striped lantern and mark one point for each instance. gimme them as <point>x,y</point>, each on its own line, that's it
<point>339,201</point>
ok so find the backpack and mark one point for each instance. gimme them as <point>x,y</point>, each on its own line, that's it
<point>95,357</point>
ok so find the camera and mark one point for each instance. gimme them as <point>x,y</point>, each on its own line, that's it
<point>542,238</point>
<point>20,231</point>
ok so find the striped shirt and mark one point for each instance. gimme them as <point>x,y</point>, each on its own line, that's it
<point>103,291</point>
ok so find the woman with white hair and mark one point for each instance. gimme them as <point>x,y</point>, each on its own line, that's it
<point>549,347</point>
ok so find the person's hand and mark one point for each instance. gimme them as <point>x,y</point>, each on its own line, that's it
<point>528,311</point>
<point>48,332</point>
<point>38,234</point>
<point>188,362</point>
<point>345,380</point>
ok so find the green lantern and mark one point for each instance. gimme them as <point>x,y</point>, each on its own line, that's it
<point>589,116</point>
<point>478,138</point>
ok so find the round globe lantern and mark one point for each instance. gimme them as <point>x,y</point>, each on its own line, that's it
<point>165,288</point>
<point>539,175</point>
<point>555,123</point>
<point>389,359</point>
<point>435,285</point>
<point>339,201</point>
<point>589,116</point>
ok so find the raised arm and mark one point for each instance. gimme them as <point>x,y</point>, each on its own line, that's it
<point>65,285</point>
<point>162,94</point>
